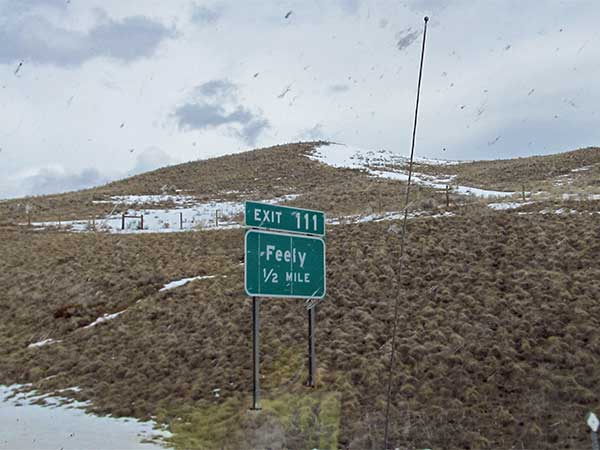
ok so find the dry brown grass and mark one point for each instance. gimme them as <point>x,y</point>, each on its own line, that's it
<point>498,342</point>
<point>535,172</point>
<point>498,338</point>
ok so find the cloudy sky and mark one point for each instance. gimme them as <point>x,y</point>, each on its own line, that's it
<point>94,90</point>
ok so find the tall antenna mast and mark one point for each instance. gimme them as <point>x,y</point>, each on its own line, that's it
<point>402,241</point>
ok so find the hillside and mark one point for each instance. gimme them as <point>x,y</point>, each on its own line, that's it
<point>349,186</point>
<point>579,168</point>
<point>265,173</point>
<point>498,334</point>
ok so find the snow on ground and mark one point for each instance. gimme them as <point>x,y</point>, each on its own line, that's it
<point>208,215</point>
<point>484,193</point>
<point>581,196</point>
<point>340,155</point>
<point>177,283</point>
<point>58,426</point>
<point>582,169</point>
<point>418,178</point>
<point>439,162</point>
<point>563,180</point>
<point>70,389</point>
<point>345,156</point>
<point>157,198</point>
<point>104,318</point>
<point>42,343</point>
<point>379,217</point>
<point>567,179</point>
<point>507,205</point>
<point>560,211</point>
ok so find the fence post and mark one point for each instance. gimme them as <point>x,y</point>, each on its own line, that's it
<point>447,196</point>
<point>217,218</point>
<point>122,221</point>
<point>142,221</point>
<point>181,221</point>
<point>28,212</point>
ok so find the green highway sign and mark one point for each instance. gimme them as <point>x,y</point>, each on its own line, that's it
<point>284,218</point>
<point>284,265</point>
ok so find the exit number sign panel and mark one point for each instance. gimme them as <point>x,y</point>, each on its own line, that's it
<point>284,265</point>
<point>274,217</point>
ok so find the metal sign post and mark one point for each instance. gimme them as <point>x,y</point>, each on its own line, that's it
<point>255,353</point>
<point>312,358</point>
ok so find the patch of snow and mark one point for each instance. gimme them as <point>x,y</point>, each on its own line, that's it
<point>440,162</point>
<point>145,199</point>
<point>559,211</point>
<point>417,178</point>
<point>507,205</point>
<point>581,197</point>
<point>484,193</point>
<point>343,156</point>
<point>389,215</point>
<point>70,389</point>
<point>436,183</point>
<point>42,343</point>
<point>36,427</point>
<point>565,211</point>
<point>346,156</point>
<point>582,169</point>
<point>177,283</point>
<point>182,218</point>
<point>104,318</point>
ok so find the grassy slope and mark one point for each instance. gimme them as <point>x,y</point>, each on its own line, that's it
<point>284,169</point>
<point>260,174</point>
<point>498,340</point>
<point>535,172</point>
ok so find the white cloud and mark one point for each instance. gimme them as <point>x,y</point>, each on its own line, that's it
<point>150,159</point>
<point>52,179</point>
<point>202,14</point>
<point>215,104</point>
<point>34,38</point>
<point>316,133</point>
